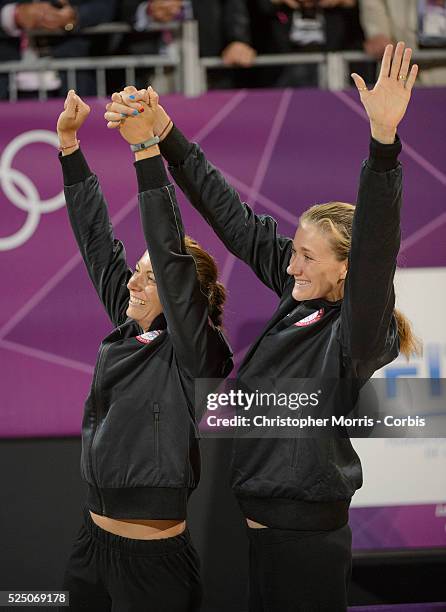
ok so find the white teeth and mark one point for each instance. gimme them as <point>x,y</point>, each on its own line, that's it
<point>301,284</point>
<point>134,300</point>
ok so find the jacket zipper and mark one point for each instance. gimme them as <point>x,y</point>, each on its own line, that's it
<point>98,414</point>
<point>295,453</point>
<point>156,421</point>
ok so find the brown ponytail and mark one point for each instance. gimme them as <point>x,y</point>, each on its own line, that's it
<point>207,275</point>
<point>336,220</point>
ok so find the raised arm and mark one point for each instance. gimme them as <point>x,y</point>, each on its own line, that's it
<point>185,306</point>
<point>368,328</point>
<point>250,237</point>
<point>103,255</point>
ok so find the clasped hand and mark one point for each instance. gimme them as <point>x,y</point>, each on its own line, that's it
<point>136,113</point>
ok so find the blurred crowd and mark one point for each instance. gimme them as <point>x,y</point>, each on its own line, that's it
<point>235,30</point>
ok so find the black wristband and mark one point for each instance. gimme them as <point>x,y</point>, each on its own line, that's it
<point>175,147</point>
<point>151,173</point>
<point>74,167</point>
<point>384,157</point>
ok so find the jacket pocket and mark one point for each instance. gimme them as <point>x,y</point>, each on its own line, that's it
<point>156,432</point>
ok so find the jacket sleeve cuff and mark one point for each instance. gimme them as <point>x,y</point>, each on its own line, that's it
<point>74,167</point>
<point>151,173</point>
<point>175,147</point>
<point>384,157</point>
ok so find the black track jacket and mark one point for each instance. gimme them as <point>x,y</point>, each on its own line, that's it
<point>306,483</point>
<point>140,455</point>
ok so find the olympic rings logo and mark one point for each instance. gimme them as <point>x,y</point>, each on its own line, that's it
<point>29,200</point>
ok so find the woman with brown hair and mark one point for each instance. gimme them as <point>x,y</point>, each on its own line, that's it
<point>140,454</point>
<point>336,321</point>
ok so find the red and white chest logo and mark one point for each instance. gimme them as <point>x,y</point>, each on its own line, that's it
<point>310,319</point>
<point>149,336</point>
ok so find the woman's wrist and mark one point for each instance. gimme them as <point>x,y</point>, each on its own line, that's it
<point>68,142</point>
<point>163,124</point>
<point>66,137</point>
<point>166,130</point>
<point>151,152</point>
<point>382,133</point>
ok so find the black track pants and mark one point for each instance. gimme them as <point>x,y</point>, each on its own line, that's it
<point>299,571</point>
<point>110,573</point>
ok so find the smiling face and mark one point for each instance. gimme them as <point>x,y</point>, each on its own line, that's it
<point>144,303</point>
<point>316,270</point>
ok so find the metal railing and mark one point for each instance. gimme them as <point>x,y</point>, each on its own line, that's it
<point>338,64</point>
<point>332,68</point>
<point>183,62</point>
<point>279,59</point>
<point>190,71</point>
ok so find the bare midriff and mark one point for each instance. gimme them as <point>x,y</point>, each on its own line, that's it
<point>255,525</point>
<point>139,529</point>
